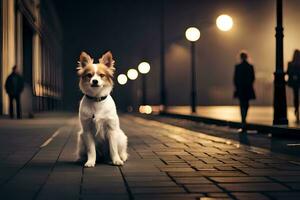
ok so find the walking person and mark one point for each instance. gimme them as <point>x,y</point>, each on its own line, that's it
<point>244,77</point>
<point>14,86</point>
<point>293,82</point>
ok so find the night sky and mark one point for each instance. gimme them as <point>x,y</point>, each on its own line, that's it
<point>131,30</point>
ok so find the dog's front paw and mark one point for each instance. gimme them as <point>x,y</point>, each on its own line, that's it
<point>117,162</point>
<point>89,164</point>
<point>124,156</point>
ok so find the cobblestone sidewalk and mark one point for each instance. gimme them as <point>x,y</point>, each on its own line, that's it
<point>166,162</point>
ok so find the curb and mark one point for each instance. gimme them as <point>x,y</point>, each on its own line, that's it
<point>278,131</point>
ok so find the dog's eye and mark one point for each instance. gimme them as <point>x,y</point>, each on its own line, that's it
<point>89,75</point>
<point>102,75</point>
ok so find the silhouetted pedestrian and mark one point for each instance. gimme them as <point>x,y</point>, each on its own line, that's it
<point>14,86</point>
<point>293,72</point>
<point>244,77</point>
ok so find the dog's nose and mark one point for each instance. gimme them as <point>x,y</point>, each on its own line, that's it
<point>95,82</point>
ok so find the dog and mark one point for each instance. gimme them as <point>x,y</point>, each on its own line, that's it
<point>100,129</point>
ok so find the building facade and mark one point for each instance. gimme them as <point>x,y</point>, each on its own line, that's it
<point>31,38</point>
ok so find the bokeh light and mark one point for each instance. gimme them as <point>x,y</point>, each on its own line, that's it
<point>192,34</point>
<point>145,109</point>
<point>224,22</point>
<point>132,74</point>
<point>144,67</point>
<point>122,79</point>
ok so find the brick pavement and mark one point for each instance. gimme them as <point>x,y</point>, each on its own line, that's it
<point>166,162</point>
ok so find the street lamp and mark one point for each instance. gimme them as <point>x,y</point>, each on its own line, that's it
<point>163,90</point>
<point>193,34</point>
<point>122,79</point>
<point>144,68</point>
<point>279,103</point>
<point>224,22</point>
<point>132,74</point>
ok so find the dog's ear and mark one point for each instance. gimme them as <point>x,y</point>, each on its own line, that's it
<point>107,59</point>
<point>85,59</point>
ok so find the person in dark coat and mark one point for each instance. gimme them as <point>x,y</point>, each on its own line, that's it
<point>243,81</point>
<point>14,86</point>
<point>293,82</point>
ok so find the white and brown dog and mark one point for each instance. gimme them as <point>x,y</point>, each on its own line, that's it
<point>100,129</point>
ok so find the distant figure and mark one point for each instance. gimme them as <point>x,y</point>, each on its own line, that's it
<point>293,72</point>
<point>14,85</point>
<point>243,81</point>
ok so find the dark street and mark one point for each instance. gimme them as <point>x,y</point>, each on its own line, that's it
<point>149,99</point>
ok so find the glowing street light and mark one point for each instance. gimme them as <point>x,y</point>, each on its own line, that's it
<point>132,74</point>
<point>192,34</point>
<point>122,79</point>
<point>224,22</point>
<point>144,67</point>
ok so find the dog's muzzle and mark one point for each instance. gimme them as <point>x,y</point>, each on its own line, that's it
<point>95,85</point>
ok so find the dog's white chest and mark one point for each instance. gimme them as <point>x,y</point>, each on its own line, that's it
<point>99,111</point>
<point>101,127</point>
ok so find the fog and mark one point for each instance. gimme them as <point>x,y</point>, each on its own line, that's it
<point>131,30</point>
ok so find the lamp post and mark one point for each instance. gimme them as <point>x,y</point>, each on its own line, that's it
<point>279,102</point>
<point>144,68</point>
<point>193,34</point>
<point>132,74</point>
<point>163,91</point>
